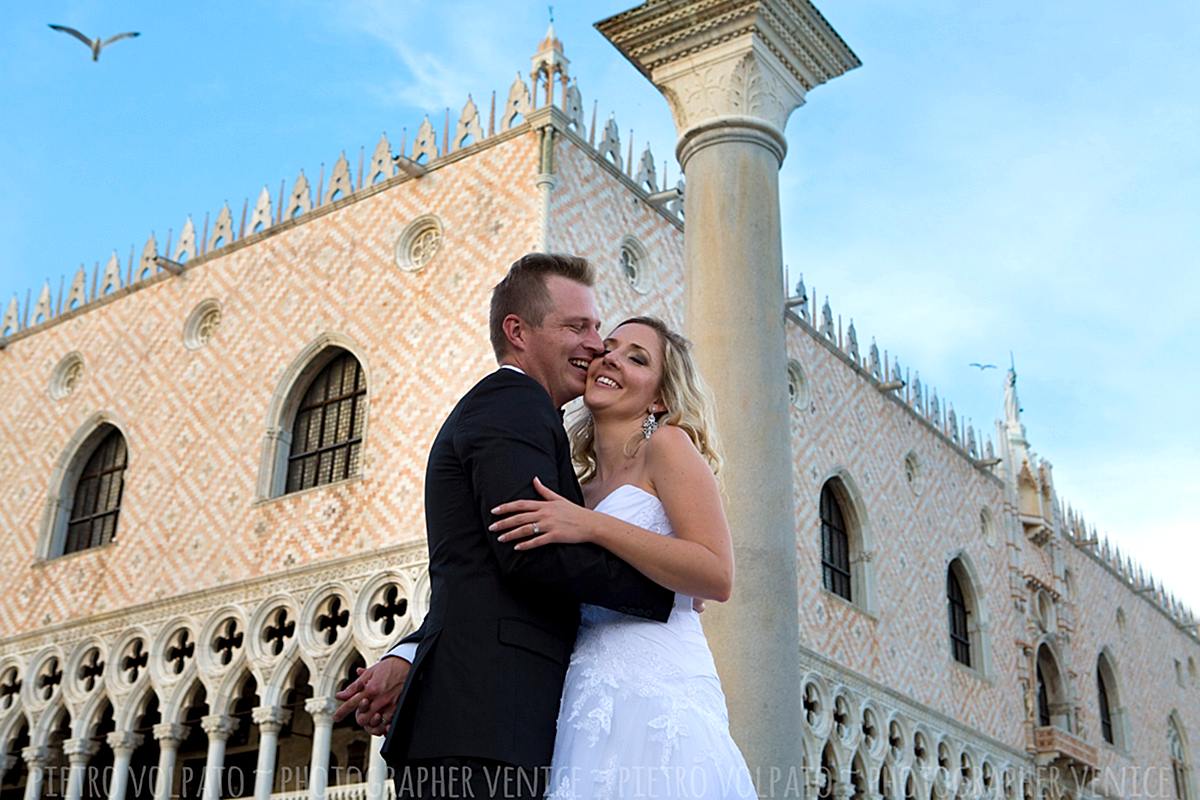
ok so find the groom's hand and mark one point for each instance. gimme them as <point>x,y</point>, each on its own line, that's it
<point>373,694</point>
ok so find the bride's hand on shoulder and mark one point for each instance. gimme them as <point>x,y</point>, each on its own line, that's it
<point>552,520</point>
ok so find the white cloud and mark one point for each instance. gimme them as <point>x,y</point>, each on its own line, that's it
<point>443,57</point>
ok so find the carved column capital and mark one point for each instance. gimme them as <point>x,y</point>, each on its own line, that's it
<point>270,719</point>
<point>218,726</point>
<point>79,751</point>
<point>169,734</point>
<point>123,742</point>
<point>321,709</point>
<point>748,66</point>
<point>35,755</point>
<point>842,790</point>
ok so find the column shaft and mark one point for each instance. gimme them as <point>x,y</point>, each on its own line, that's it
<point>218,727</point>
<point>169,735</point>
<point>376,770</point>
<point>734,311</point>
<point>123,744</point>
<point>214,766</point>
<point>264,770</point>
<point>321,709</point>
<point>35,762</point>
<point>731,82</point>
<point>79,752</point>
<point>164,781</point>
<point>270,721</point>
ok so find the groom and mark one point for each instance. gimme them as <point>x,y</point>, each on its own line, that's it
<point>475,713</point>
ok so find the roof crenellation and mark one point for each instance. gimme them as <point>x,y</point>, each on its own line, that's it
<point>386,167</point>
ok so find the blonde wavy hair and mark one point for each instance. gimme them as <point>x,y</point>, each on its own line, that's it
<point>686,396</point>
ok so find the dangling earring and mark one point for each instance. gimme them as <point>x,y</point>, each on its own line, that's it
<point>649,425</point>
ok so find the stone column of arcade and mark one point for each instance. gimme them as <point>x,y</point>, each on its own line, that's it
<point>219,727</point>
<point>79,753</point>
<point>36,757</point>
<point>376,770</point>
<point>732,73</point>
<point>270,721</point>
<point>123,744</point>
<point>168,735</point>
<point>321,709</point>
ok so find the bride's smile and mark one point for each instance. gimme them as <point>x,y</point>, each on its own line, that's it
<point>624,381</point>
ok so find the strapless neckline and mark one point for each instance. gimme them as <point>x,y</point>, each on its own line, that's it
<point>613,493</point>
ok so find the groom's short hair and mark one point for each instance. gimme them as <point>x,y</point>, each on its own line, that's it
<point>523,291</point>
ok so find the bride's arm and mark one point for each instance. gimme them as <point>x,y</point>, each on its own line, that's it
<point>698,563</point>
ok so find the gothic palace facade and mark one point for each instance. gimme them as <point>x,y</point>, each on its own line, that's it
<point>211,497</point>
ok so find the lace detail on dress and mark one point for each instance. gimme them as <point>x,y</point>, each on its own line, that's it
<point>642,704</point>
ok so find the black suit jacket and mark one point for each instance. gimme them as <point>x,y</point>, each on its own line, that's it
<point>494,647</point>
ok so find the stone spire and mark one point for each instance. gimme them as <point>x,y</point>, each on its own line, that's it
<point>1012,406</point>
<point>549,65</point>
<point>1013,426</point>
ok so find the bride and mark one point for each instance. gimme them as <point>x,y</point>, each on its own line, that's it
<point>642,710</point>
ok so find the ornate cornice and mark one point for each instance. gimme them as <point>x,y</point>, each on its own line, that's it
<point>730,69</point>
<point>660,32</point>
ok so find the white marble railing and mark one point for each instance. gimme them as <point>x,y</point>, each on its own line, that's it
<point>348,791</point>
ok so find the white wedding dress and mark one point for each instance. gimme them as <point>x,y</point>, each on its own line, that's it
<point>643,714</point>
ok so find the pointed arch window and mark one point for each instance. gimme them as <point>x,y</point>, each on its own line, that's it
<point>1106,720</point>
<point>1053,706</point>
<point>835,544</point>
<point>327,433</point>
<point>1179,766</point>
<point>959,613</point>
<point>96,502</point>
<point>1043,698</point>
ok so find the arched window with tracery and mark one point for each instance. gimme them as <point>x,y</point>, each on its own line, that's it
<point>96,499</point>
<point>835,544</point>
<point>1180,771</point>
<point>1053,706</point>
<point>1043,697</point>
<point>1105,711</point>
<point>327,432</point>
<point>959,613</point>
<point>1108,695</point>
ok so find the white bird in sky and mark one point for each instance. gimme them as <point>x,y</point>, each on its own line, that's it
<point>981,367</point>
<point>95,44</point>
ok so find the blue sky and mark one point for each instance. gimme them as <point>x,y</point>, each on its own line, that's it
<point>997,177</point>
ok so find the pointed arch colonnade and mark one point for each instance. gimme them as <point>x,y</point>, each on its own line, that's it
<point>210,697</point>
<point>863,743</point>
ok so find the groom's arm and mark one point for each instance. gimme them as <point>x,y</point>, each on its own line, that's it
<point>503,445</point>
<point>406,648</point>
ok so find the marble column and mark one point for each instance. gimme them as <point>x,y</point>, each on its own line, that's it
<point>545,120</point>
<point>377,770</point>
<point>321,709</point>
<point>6,761</point>
<point>123,744</point>
<point>219,727</point>
<point>270,720</point>
<point>35,757</point>
<point>79,752</point>
<point>732,73</point>
<point>168,735</point>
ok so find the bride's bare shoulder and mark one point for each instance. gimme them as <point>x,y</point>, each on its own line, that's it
<point>670,443</point>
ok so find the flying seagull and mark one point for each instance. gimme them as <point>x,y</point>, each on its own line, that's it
<point>981,367</point>
<point>95,44</point>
